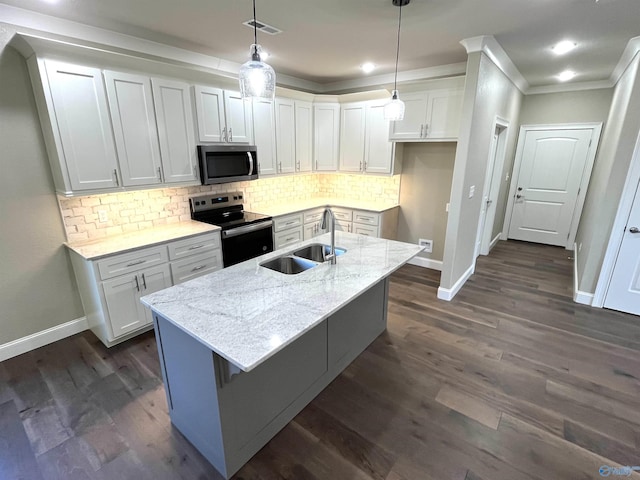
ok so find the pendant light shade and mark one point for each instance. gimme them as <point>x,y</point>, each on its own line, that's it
<point>394,110</point>
<point>257,79</point>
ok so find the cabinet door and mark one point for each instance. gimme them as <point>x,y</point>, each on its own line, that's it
<point>287,237</point>
<point>367,230</point>
<point>134,127</point>
<point>239,119</point>
<point>415,117</point>
<point>210,113</point>
<point>352,127</point>
<point>82,116</point>
<point>443,114</point>
<point>326,127</point>
<point>285,135</point>
<point>343,226</point>
<point>175,128</point>
<point>122,297</point>
<point>378,155</point>
<point>304,136</point>
<point>265,137</point>
<point>152,280</point>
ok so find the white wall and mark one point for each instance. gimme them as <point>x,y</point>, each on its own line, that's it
<point>488,93</point>
<point>609,174</point>
<point>37,285</point>
<point>566,107</point>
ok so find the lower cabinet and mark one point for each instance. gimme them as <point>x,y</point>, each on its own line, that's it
<point>111,287</point>
<point>287,230</point>
<point>313,223</point>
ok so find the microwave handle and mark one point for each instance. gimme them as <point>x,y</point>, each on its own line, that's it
<point>250,163</point>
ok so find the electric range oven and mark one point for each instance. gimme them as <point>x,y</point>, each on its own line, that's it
<point>244,234</point>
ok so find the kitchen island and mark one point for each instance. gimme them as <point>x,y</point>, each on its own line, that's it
<point>245,349</point>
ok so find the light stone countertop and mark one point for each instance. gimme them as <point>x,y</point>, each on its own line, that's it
<point>103,247</point>
<point>301,205</point>
<point>246,313</point>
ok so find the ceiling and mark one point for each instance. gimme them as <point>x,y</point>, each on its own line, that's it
<point>326,41</point>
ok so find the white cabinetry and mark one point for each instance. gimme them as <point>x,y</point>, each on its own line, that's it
<point>265,137</point>
<point>313,223</point>
<point>304,136</point>
<point>352,130</point>
<point>75,119</point>
<point>223,116</point>
<point>429,116</point>
<point>111,287</point>
<point>285,135</point>
<point>326,128</point>
<point>134,127</point>
<point>287,229</point>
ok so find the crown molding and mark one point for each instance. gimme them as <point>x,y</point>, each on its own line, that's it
<point>488,45</point>
<point>628,54</point>
<point>570,87</point>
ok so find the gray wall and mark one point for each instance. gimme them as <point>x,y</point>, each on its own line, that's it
<point>425,188</point>
<point>566,107</point>
<point>488,93</point>
<point>609,174</point>
<point>37,285</point>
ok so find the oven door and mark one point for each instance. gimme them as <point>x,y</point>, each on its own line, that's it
<point>245,242</point>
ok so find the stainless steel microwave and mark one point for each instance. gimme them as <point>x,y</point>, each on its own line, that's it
<point>227,163</point>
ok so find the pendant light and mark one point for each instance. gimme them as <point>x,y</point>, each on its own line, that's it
<point>394,110</point>
<point>257,79</point>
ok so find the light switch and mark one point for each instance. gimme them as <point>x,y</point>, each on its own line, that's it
<point>472,191</point>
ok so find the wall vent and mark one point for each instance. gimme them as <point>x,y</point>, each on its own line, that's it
<point>263,27</point>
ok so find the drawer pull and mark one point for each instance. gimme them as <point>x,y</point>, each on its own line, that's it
<point>195,247</point>
<point>291,223</point>
<point>135,263</point>
<point>200,267</point>
<point>137,283</point>
<point>144,282</point>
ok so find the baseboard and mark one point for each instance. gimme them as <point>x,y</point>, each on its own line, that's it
<point>448,293</point>
<point>583,298</point>
<point>426,263</point>
<point>495,241</point>
<point>40,339</point>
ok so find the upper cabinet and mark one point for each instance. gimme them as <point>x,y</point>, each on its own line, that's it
<point>223,116</point>
<point>265,136</point>
<point>326,138</point>
<point>76,124</point>
<point>429,116</point>
<point>304,136</point>
<point>174,116</point>
<point>285,112</point>
<point>364,143</point>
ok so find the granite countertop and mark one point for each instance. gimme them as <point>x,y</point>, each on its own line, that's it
<point>95,249</point>
<point>301,205</point>
<point>246,313</point>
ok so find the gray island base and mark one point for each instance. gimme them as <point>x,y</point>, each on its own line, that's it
<point>245,349</point>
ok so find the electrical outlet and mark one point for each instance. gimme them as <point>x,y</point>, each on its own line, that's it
<point>446,207</point>
<point>427,244</point>
<point>472,191</point>
<point>102,216</point>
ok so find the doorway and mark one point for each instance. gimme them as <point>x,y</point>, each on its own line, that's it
<point>551,173</point>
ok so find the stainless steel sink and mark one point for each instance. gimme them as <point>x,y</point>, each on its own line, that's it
<point>288,265</point>
<point>317,252</point>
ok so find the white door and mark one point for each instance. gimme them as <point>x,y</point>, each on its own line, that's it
<point>486,202</point>
<point>624,289</point>
<point>210,113</point>
<point>304,136</point>
<point>265,137</point>
<point>134,127</point>
<point>548,183</point>
<point>352,125</point>
<point>285,135</point>
<point>326,127</point>
<point>378,149</point>
<point>415,117</point>
<point>176,131</point>
<point>238,117</point>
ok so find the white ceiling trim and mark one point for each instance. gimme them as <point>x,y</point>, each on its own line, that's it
<point>629,53</point>
<point>570,87</point>
<point>490,47</point>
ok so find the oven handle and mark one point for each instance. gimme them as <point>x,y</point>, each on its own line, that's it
<point>250,163</point>
<point>234,232</point>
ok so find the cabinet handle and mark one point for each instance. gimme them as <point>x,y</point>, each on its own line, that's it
<point>292,222</point>
<point>230,134</point>
<point>115,174</point>
<point>290,239</point>
<point>160,174</point>
<point>135,263</point>
<point>316,164</point>
<point>137,284</point>
<point>365,167</point>
<point>421,129</point>
<point>196,247</point>
<point>426,130</point>
<point>280,167</point>
<point>200,267</point>
<point>224,134</point>
<point>144,282</point>
<point>298,166</point>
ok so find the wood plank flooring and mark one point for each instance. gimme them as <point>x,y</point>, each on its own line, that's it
<point>510,380</point>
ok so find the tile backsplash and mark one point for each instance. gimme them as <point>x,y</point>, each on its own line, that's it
<point>129,211</point>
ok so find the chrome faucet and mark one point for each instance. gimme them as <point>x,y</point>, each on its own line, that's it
<point>323,225</point>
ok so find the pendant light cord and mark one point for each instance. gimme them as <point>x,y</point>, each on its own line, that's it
<point>255,27</point>
<point>395,80</point>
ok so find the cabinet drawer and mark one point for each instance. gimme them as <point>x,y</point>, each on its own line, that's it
<point>342,214</point>
<point>195,266</point>
<point>366,218</point>
<point>194,245</point>
<point>130,262</point>
<point>313,216</point>
<point>282,239</point>
<point>370,231</point>
<point>288,221</point>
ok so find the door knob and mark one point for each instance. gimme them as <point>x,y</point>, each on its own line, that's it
<point>634,230</point>
<point>518,196</point>
<point>519,189</point>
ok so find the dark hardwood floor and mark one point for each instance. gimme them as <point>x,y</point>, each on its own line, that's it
<point>510,380</point>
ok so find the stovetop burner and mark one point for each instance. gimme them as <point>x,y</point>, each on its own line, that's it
<point>224,210</point>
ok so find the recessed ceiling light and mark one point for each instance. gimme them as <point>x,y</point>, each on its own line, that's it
<point>566,75</point>
<point>368,67</point>
<point>563,47</point>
